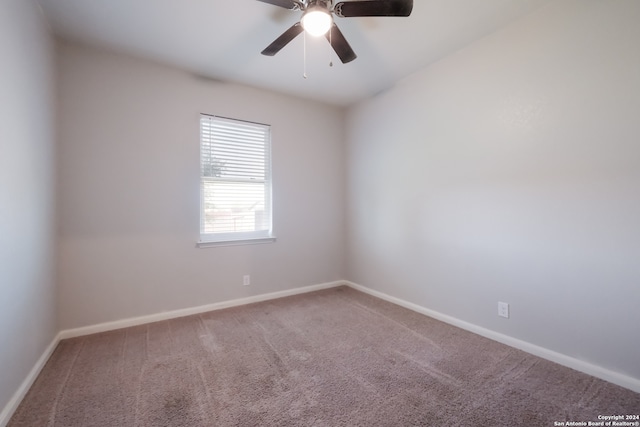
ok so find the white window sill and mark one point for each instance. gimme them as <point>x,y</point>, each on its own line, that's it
<point>256,241</point>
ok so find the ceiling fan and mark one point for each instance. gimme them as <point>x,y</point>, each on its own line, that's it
<point>317,20</point>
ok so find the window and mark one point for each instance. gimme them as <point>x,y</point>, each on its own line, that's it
<point>235,182</point>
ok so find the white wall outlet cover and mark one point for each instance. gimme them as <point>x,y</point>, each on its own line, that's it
<point>246,280</point>
<point>503,309</point>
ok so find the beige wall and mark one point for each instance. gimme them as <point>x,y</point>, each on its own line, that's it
<point>129,190</point>
<point>510,171</point>
<point>27,226</point>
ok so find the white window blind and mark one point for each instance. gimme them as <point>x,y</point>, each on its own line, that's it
<point>235,180</point>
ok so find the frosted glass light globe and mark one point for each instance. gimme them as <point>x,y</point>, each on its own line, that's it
<point>316,22</point>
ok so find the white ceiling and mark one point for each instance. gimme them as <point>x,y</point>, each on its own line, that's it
<point>222,39</point>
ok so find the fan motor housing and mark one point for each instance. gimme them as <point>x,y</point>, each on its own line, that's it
<point>325,4</point>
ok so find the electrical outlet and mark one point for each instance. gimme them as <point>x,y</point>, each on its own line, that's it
<point>503,309</point>
<point>246,280</point>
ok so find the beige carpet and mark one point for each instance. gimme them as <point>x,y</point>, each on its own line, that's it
<point>330,358</point>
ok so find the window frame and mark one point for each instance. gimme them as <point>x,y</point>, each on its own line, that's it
<point>233,238</point>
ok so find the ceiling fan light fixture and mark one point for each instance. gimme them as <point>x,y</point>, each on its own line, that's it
<point>316,21</point>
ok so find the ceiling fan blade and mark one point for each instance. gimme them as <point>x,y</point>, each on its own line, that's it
<point>350,9</point>
<point>283,40</point>
<point>340,44</point>
<point>287,4</point>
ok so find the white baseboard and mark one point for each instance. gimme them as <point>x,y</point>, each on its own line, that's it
<point>135,321</point>
<point>13,404</point>
<point>559,358</point>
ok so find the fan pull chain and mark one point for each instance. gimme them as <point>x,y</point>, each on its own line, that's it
<point>330,46</point>
<point>304,55</point>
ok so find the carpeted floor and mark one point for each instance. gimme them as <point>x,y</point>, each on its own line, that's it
<point>331,358</point>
